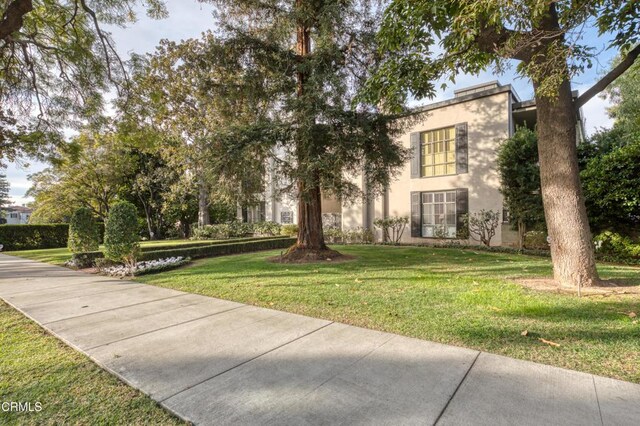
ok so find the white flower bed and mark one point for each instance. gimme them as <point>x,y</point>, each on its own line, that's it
<point>146,267</point>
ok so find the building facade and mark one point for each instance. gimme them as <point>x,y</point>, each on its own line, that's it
<point>16,215</point>
<point>452,170</point>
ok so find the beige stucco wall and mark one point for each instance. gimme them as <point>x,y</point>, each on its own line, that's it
<point>331,204</point>
<point>487,119</point>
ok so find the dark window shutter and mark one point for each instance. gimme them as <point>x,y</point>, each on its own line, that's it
<point>415,155</point>
<point>462,148</point>
<point>416,214</point>
<point>462,208</point>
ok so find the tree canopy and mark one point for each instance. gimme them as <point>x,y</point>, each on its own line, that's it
<point>56,63</point>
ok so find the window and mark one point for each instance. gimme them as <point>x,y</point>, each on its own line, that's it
<point>439,214</point>
<point>505,216</point>
<point>13,215</point>
<point>286,217</point>
<point>438,152</point>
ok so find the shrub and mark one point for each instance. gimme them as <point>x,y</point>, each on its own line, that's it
<point>120,238</point>
<point>240,229</point>
<point>222,231</point>
<point>358,236</point>
<point>392,228</point>
<point>333,236</point>
<point>220,249</point>
<point>34,237</point>
<point>84,235</point>
<point>266,228</point>
<point>613,247</point>
<point>536,240</point>
<point>482,225</point>
<point>289,230</point>
<point>85,259</point>
<point>212,232</point>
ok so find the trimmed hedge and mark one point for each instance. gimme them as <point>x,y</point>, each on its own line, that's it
<point>34,237</point>
<point>170,246</point>
<point>221,249</point>
<point>84,234</point>
<point>121,241</point>
<point>163,251</point>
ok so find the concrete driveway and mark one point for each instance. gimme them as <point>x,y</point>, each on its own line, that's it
<point>212,361</point>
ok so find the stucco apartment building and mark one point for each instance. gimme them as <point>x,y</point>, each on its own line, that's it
<point>452,170</point>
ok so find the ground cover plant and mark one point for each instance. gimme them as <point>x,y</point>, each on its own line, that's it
<point>466,298</point>
<point>37,367</point>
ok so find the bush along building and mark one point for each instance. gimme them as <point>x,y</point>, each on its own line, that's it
<point>451,175</point>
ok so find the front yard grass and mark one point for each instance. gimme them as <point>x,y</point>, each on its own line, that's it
<point>58,256</point>
<point>37,367</point>
<point>460,297</point>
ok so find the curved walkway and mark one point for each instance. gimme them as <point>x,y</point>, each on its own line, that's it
<point>212,361</point>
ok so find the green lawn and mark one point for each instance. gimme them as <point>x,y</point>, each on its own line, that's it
<point>37,367</point>
<point>460,297</point>
<point>59,256</point>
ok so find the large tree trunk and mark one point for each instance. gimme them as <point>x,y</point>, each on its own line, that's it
<point>203,205</point>
<point>310,235</point>
<point>564,206</point>
<point>310,245</point>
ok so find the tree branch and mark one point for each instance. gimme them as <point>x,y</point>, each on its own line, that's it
<point>609,78</point>
<point>14,17</point>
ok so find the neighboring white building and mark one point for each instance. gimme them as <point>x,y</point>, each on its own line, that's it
<point>16,215</point>
<point>452,170</point>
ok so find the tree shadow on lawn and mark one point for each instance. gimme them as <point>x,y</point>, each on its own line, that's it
<point>407,261</point>
<point>600,311</point>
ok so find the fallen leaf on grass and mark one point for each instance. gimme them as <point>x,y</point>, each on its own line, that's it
<point>632,315</point>
<point>493,308</point>
<point>525,333</point>
<point>548,342</point>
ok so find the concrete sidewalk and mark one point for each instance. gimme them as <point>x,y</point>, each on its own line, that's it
<point>212,361</point>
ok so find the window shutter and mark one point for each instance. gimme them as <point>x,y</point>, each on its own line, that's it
<point>415,155</point>
<point>462,208</point>
<point>462,148</point>
<point>416,213</point>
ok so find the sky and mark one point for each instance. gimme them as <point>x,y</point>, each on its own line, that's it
<point>188,19</point>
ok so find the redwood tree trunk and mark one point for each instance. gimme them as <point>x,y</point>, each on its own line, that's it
<point>564,206</point>
<point>310,235</point>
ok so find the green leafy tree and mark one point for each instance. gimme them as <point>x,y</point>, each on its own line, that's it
<point>84,235</point>
<point>624,94</point>
<point>92,175</point>
<point>609,160</point>
<point>611,185</point>
<point>183,90</point>
<point>121,240</point>
<point>520,181</point>
<point>426,41</point>
<point>56,61</point>
<point>305,61</point>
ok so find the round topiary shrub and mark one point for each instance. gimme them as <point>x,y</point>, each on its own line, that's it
<point>83,232</point>
<point>121,241</point>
